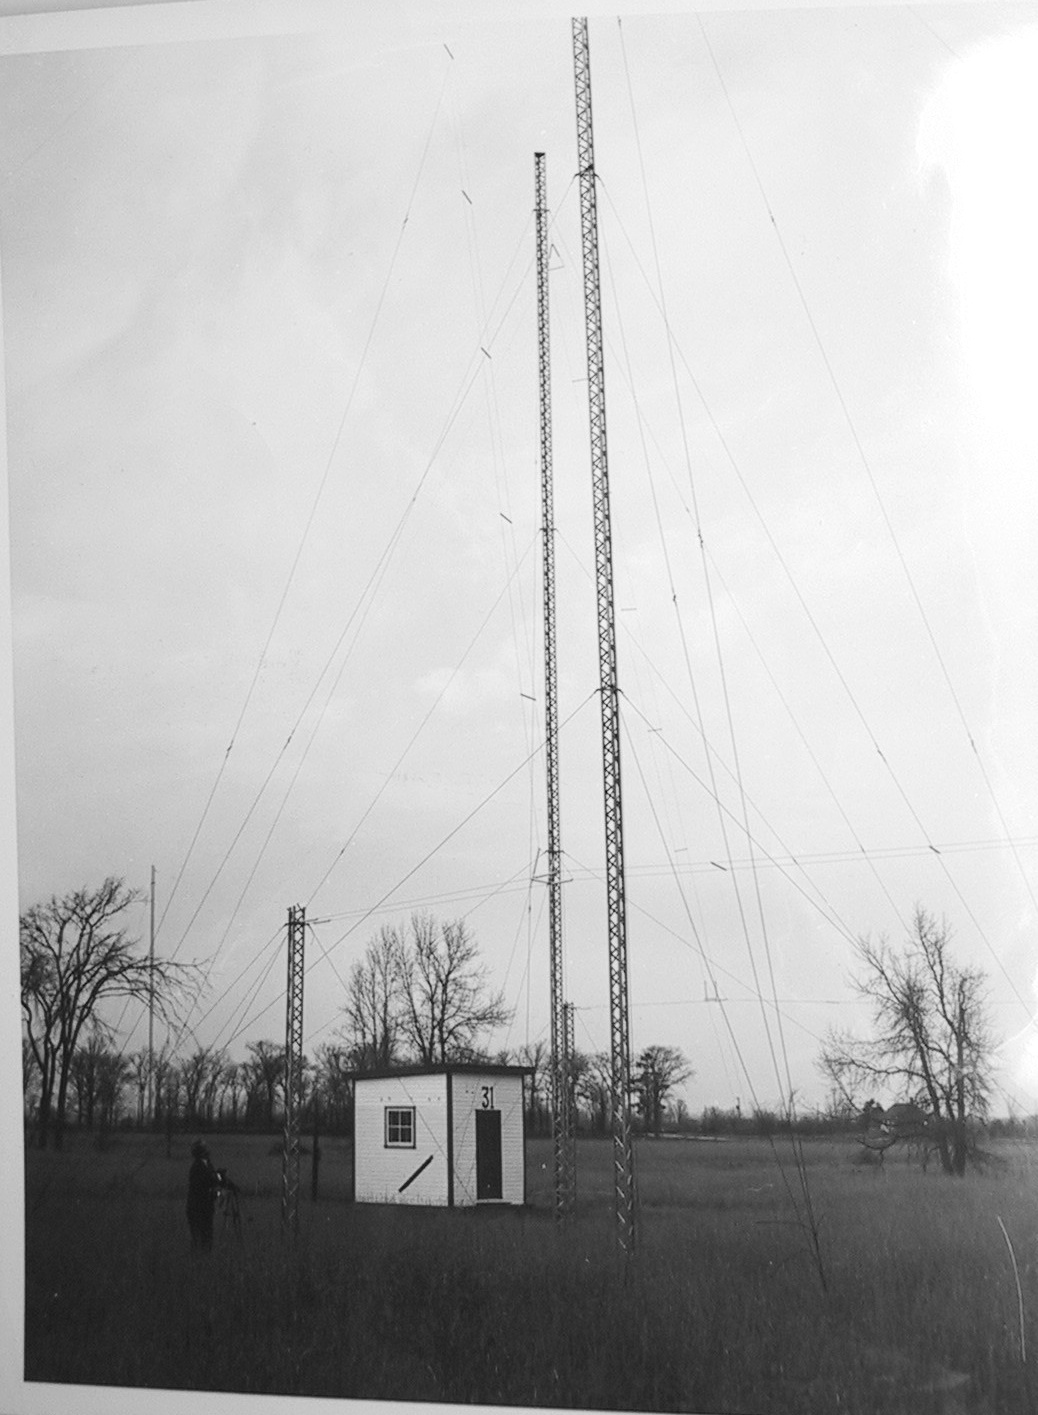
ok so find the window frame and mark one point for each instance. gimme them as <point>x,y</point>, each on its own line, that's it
<point>398,1110</point>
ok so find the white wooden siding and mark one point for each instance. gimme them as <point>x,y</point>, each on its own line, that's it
<point>508,1099</point>
<point>378,1171</point>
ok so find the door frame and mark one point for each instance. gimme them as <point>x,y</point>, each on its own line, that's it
<point>489,1121</point>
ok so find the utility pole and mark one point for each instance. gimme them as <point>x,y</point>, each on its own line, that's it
<point>151,1006</point>
<point>293,1068</point>
<point>619,1030</point>
<point>562,1119</point>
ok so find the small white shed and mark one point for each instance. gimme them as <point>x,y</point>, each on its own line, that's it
<point>451,1135</point>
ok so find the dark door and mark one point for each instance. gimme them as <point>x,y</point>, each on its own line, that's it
<point>488,1154</point>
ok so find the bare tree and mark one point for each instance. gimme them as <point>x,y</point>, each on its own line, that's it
<point>536,1056</point>
<point>931,1038</point>
<point>165,1086</point>
<point>446,1004</point>
<point>98,1075</point>
<point>371,1028</point>
<point>658,1070</point>
<point>193,1071</point>
<point>30,1081</point>
<point>213,1085</point>
<point>138,1062</point>
<point>85,1073</point>
<point>112,1074</point>
<point>262,1075</point>
<point>167,1101</point>
<point>200,1075</point>
<point>333,1084</point>
<point>232,1088</point>
<point>842,1111</point>
<point>593,1084</point>
<point>74,958</point>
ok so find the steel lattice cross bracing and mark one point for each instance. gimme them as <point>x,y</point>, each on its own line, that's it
<point>620,1046</point>
<point>293,1066</point>
<point>562,1110</point>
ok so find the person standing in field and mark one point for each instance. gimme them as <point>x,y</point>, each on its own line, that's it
<point>202,1184</point>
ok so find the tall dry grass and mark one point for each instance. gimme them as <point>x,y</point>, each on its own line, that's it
<point>722,1310</point>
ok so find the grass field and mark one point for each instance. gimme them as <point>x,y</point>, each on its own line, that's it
<point>721,1310</point>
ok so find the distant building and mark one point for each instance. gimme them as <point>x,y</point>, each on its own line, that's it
<point>449,1135</point>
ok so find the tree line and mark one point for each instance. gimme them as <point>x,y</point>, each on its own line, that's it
<point>931,1042</point>
<point>420,994</point>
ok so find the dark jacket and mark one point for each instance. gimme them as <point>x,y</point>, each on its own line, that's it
<point>202,1184</point>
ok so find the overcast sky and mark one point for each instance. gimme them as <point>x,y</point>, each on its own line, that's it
<point>270,361</point>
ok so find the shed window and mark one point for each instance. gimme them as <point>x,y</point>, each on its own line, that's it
<point>400,1127</point>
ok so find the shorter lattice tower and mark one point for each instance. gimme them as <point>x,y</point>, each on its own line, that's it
<point>293,1067</point>
<point>565,1170</point>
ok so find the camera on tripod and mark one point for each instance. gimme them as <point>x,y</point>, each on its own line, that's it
<point>227,1201</point>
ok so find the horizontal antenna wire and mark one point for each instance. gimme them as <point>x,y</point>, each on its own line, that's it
<point>773,860</point>
<point>435,849</point>
<point>362,363</point>
<point>384,786</point>
<point>840,676</point>
<point>421,726</point>
<point>292,571</point>
<point>831,917</point>
<point>707,958</point>
<point>365,600</point>
<point>884,515</point>
<point>492,893</point>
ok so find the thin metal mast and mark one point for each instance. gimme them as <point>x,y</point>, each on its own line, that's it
<point>565,1172</point>
<point>293,1067</point>
<point>151,1005</point>
<point>620,1042</point>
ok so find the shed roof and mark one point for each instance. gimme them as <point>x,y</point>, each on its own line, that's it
<point>473,1068</point>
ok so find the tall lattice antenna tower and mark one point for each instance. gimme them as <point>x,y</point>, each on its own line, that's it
<point>293,1067</point>
<point>565,1170</point>
<point>620,1040</point>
